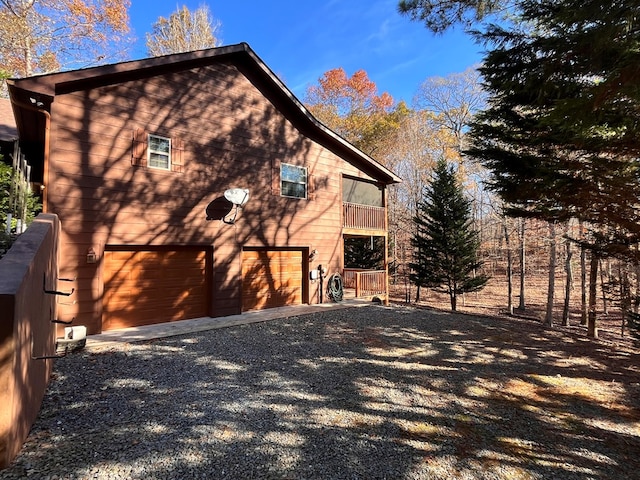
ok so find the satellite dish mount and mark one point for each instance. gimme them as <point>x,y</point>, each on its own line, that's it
<point>239,197</point>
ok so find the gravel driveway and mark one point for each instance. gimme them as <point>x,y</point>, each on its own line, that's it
<point>368,393</point>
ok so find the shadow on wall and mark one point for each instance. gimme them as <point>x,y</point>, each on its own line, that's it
<point>235,141</point>
<point>219,209</point>
<point>148,285</point>
<point>271,278</point>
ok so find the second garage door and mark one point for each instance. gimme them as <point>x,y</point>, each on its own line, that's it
<point>271,278</point>
<point>143,287</point>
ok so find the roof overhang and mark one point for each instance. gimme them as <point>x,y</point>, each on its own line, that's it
<point>29,95</point>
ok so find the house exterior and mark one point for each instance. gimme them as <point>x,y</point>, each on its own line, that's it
<point>8,130</point>
<point>135,159</point>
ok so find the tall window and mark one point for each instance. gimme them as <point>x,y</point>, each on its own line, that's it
<point>293,181</point>
<point>159,152</point>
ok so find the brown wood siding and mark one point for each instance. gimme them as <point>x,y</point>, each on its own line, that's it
<point>271,278</point>
<point>232,136</point>
<point>146,287</point>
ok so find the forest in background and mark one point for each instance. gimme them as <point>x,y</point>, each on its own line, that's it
<point>432,127</point>
<point>545,130</point>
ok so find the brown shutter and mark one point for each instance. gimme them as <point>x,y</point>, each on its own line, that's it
<point>139,148</point>
<point>311,186</point>
<point>275,177</point>
<point>177,150</point>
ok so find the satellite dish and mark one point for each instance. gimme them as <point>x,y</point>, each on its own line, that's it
<point>237,196</point>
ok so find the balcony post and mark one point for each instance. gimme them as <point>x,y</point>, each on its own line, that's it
<point>386,247</point>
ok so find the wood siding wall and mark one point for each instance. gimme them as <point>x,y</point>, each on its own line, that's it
<point>232,136</point>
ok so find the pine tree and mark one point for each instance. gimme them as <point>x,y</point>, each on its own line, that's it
<point>441,15</point>
<point>561,136</point>
<point>364,252</point>
<point>445,243</point>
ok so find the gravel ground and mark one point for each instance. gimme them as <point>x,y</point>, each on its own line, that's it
<point>367,393</point>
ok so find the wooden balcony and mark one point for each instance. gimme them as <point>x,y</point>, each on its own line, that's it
<point>363,219</point>
<point>367,283</point>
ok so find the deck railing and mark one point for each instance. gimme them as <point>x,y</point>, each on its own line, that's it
<point>367,283</point>
<point>363,216</point>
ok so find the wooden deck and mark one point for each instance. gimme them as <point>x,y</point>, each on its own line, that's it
<point>364,218</point>
<point>365,283</point>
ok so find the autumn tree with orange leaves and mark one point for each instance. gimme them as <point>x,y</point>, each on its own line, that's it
<point>41,36</point>
<point>351,107</point>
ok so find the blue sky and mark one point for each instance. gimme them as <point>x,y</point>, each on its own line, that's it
<point>300,40</point>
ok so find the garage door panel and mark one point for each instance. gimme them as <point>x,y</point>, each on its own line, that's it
<point>144,287</point>
<point>271,278</point>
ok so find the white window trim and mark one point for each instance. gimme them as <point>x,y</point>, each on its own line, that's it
<point>306,182</point>
<point>151,151</point>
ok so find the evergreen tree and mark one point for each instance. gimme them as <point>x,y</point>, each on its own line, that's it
<point>562,136</point>
<point>28,203</point>
<point>445,243</point>
<point>441,15</point>
<point>364,252</point>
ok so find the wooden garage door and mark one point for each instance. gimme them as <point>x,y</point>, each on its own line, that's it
<point>144,287</point>
<point>271,278</point>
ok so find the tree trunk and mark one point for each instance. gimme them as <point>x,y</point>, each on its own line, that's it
<point>636,298</point>
<point>568,284</point>
<point>625,294</point>
<point>552,274</point>
<point>453,297</point>
<point>592,329</point>
<point>521,304</point>
<point>407,287</point>
<point>603,290</point>
<point>507,243</point>
<point>28,57</point>
<point>583,280</point>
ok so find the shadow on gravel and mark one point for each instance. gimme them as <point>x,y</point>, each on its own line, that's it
<point>359,393</point>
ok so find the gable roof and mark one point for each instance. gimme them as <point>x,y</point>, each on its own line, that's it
<point>8,129</point>
<point>29,94</point>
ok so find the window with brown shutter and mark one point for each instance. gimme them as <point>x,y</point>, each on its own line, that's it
<point>156,151</point>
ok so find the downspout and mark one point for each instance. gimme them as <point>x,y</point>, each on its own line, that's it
<point>45,168</point>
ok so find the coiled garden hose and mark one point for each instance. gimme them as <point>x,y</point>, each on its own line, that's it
<point>335,289</point>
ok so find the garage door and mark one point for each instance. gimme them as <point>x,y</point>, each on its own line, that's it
<point>142,287</point>
<point>271,278</point>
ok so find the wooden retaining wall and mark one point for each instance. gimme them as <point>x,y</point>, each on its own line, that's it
<point>26,330</point>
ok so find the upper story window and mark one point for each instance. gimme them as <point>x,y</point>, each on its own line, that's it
<point>159,152</point>
<point>361,192</point>
<point>163,153</point>
<point>293,181</point>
